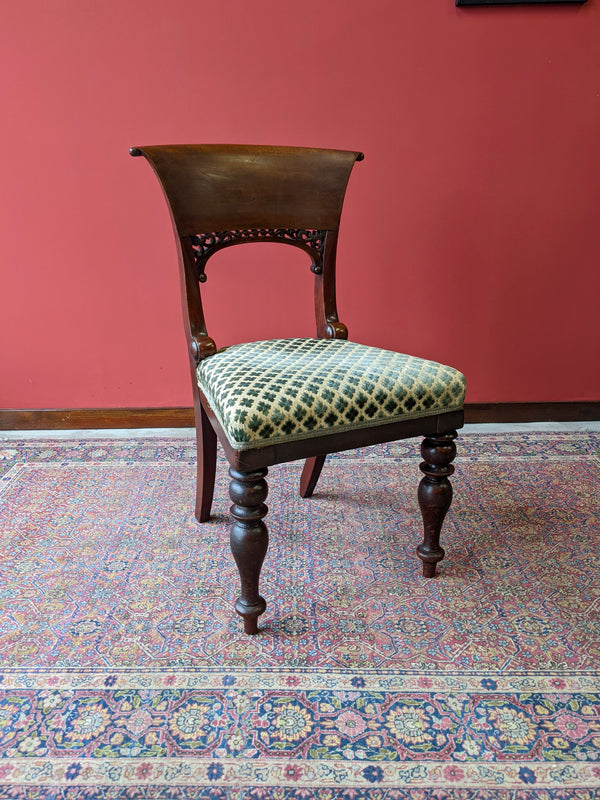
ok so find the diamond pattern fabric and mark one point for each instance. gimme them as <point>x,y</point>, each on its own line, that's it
<point>281,390</point>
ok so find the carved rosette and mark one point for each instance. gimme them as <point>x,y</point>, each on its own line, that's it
<point>206,244</point>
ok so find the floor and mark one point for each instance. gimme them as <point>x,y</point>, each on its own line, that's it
<point>138,617</point>
<point>130,433</point>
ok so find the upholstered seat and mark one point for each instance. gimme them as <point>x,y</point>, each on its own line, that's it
<point>283,390</point>
<point>275,401</point>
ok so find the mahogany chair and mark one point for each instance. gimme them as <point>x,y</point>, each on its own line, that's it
<point>270,402</point>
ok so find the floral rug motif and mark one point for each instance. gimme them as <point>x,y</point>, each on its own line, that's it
<point>125,673</point>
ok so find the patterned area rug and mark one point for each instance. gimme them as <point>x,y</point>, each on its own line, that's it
<point>125,673</point>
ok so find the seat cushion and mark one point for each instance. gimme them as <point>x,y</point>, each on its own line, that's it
<point>282,390</point>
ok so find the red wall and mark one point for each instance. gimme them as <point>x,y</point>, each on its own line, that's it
<point>471,231</point>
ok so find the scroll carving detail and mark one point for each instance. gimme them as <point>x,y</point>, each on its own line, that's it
<point>312,241</point>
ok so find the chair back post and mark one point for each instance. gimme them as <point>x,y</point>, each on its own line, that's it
<point>328,324</point>
<point>199,343</point>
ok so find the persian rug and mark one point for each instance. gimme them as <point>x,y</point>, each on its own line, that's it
<point>125,672</point>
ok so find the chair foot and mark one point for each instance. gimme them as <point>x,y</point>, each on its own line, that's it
<point>249,541</point>
<point>206,449</point>
<point>250,614</point>
<point>310,475</point>
<point>435,495</point>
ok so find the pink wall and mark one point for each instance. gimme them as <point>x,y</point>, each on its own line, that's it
<point>471,232</point>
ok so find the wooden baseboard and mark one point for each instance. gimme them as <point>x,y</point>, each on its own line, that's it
<point>532,412</point>
<point>83,418</point>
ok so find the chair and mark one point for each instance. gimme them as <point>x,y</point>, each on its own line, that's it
<point>270,402</point>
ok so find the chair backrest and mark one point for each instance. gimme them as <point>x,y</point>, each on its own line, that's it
<point>223,195</point>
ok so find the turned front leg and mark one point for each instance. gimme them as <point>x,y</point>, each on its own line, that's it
<point>435,495</point>
<point>249,541</point>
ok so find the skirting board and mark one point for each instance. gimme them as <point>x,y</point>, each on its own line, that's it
<point>80,418</point>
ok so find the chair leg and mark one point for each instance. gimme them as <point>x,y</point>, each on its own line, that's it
<point>249,541</point>
<point>435,495</point>
<point>206,447</point>
<point>310,475</point>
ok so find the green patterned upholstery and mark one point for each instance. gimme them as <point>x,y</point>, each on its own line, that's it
<point>282,390</point>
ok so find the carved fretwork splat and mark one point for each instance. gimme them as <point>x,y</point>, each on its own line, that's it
<point>312,241</point>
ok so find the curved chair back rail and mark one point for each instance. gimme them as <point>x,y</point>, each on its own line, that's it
<point>213,188</point>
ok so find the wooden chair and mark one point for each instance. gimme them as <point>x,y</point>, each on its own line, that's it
<point>285,399</point>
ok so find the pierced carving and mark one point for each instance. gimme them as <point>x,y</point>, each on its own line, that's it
<point>312,241</point>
